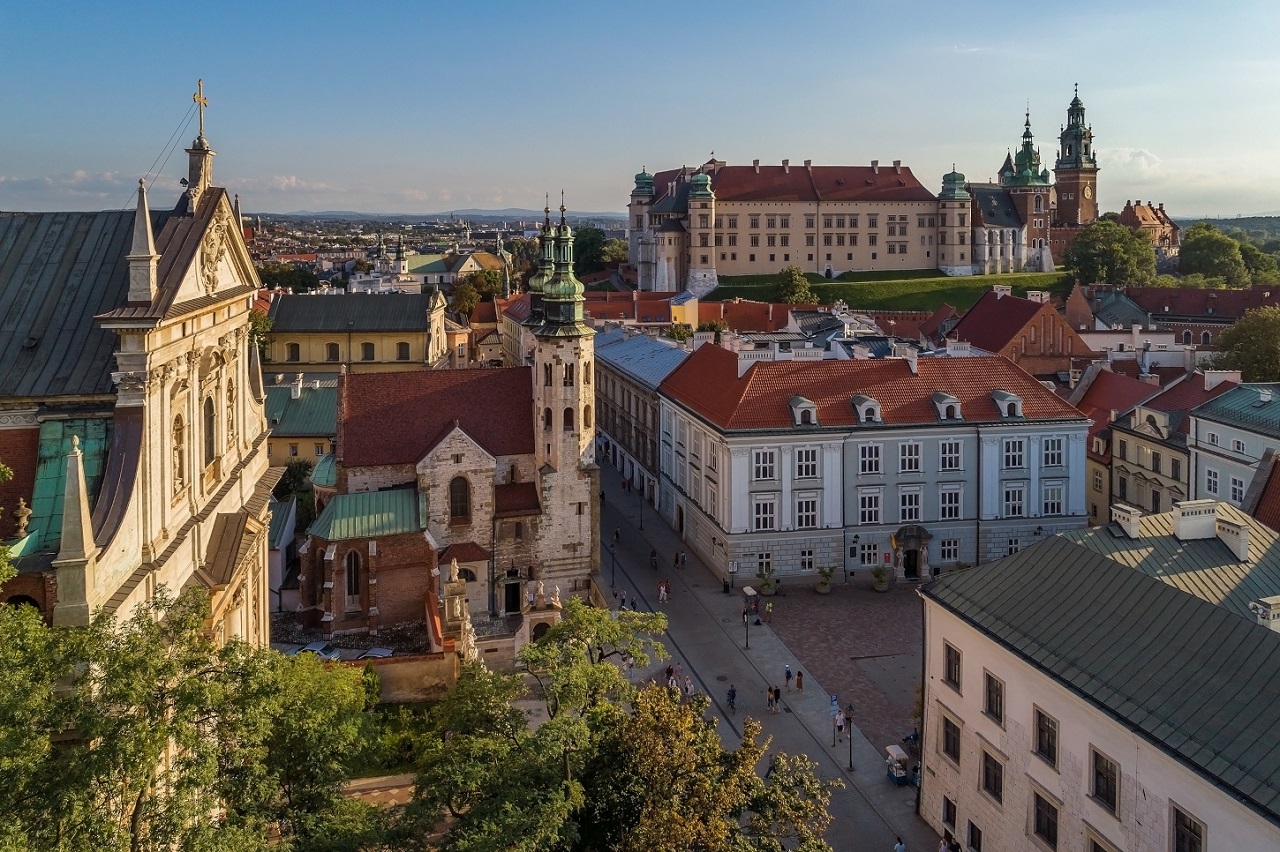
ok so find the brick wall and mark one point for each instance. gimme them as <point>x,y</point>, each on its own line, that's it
<point>40,587</point>
<point>394,579</point>
<point>19,449</point>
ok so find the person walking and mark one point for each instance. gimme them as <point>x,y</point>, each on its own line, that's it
<point>617,534</point>
<point>840,725</point>
<point>799,681</point>
<point>768,697</point>
<point>899,846</point>
<point>773,764</point>
<point>777,699</point>
<point>623,595</point>
<point>733,698</point>
<point>684,560</point>
<point>662,592</point>
<point>675,560</point>
<point>788,677</point>
<point>602,498</point>
<point>653,560</point>
<point>768,612</point>
<point>688,687</point>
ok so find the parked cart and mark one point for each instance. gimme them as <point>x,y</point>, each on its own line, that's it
<point>896,765</point>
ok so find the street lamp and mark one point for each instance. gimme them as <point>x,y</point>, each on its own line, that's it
<point>733,571</point>
<point>852,551</point>
<point>613,554</point>
<point>849,724</point>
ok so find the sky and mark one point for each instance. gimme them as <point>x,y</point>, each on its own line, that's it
<point>431,106</point>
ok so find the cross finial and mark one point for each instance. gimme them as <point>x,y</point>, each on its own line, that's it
<point>201,102</point>
<point>562,207</point>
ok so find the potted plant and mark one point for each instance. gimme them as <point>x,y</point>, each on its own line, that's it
<point>880,575</point>
<point>767,586</point>
<point>824,580</point>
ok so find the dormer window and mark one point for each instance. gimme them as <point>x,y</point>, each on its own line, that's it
<point>1008,404</point>
<point>867,408</point>
<point>947,406</point>
<point>803,411</point>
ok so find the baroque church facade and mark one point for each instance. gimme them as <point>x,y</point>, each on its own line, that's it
<point>131,408</point>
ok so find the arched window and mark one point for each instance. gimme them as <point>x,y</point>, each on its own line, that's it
<point>179,455</point>
<point>22,600</point>
<point>806,417</point>
<point>546,419</point>
<point>402,351</point>
<point>210,431</point>
<point>569,420</point>
<point>1186,338</point>
<point>568,375</point>
<point>515,473</point>
<point>366,351</point>
<point>1012,410</point>
<point>586,417</point>
<point>1204,339</point>
<point>353,574</point>
<point>869,414</point>
<point>467,574</point>
<point>951,412</point>
<point>1039,204</point>
<point>518,532</point>
<point>293,352</point>
<point>1032,332</point>
<point>459,499</point>
<point>331,352</point>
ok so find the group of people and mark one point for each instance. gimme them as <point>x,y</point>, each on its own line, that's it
<point>679,682</point>
<point>664,591</point>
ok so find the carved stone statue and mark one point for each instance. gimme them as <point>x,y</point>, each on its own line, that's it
<point>555,597</point>
<point>542,594</point>
<point>23,516</point>
<point>453,570</point>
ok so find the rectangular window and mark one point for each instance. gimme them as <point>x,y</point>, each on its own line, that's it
<point>1175,468</point>
<point>806,513</point>
<point>755,241</point>
<point>1046,745</point>
<point>784,240</point>
<point>1014,453</point>
<point>319,450</point>
<point>869,458</point>
<point>1213,438</point>
<point>1211,482</point>
<point>1237,445</point>
<point>1156,462</point>
<point>786,222</point>
<point>771,222</point>
<point>808,221</point>
<point>1237,490</point>
<point>869,507</point>
<point>853,239</point>
<point>293,449</point>
<point>1188,832</point>
<point>763,464</point>
<point>992,776</point>
<point>949,550</point>
<point>806,560</point>
<point>733,239</point>
<point>806,463</point>
<point>975,838</point>
<point>909,458</point>
<point>826,239</point>
<point>1122,488</point>
<point>871,222</point>
<point>1097,480</point>
<point>733,221</point>
<point>1106,781</point>
<point>1013,546</point>
<point>826,221</point>
<point>873,240</point>
<point>1053,452</point>
<point>949,503</point>
<point>1124,450</point>
<point>1046,821</point>
<point>839,221</point>
<point>808,240</point>
<point>951,666</point>
<point>1015,501</point>
<point>950,739</point>
<point>771,240</point>
<point>909,506</point>
<point>755,222</point>
<point>869,555</point>
<point>1052,503</point>
<point>949,813</point>
<point>993,697</point>
<point>949,455</point>
<point>765,514</point>
<point>839,239</point>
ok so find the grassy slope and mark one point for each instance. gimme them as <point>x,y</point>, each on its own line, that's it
<point>922,291</point>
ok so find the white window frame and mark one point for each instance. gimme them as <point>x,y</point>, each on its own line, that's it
<point>764,512</point>
<point>1211,481</point>
<point>1053,452</point>
<point>1015,454</point>
<point>950,502</point>
<point>764,465</point>
<point>910,502</point>
<point>870,506</point>
<point>811,512</point>
<point>869,459</point>
<point>949,454</point>
<point>909,457</point>
<point>1052,493</point>
<point>869,554</point>
<point>949,550</point>
<point>1237,490</point>
<point>1014,496</point>
<point>806,463</point>
<point>1238,446</point>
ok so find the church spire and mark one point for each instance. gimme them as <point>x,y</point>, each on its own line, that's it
<point>199,156</point>
<point>142,255</point>
<point>77,551</point>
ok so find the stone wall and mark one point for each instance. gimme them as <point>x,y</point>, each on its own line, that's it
<point>422,677</point>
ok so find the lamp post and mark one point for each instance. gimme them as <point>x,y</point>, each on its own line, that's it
<point>849,724</point>
<point>746,625</point>
<point>613,555</point>
<point>854,550</point>
<point>733,571</point>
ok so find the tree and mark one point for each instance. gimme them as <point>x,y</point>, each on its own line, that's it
<point>487,283</point>
<point>260,330</point>
<point>1252,346</point>
<point>614,251</point>
<point>1107,252</point>
<point>1260,266</point>
<point>1210,252</point>
<point>717,326</point>
<point>274,273</point>
<point>465,298</point>
<point>793,287</point>
<point>679,332</point>
<point>588,250</point>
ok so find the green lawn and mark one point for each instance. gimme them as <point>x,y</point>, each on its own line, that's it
<point>919,290</point>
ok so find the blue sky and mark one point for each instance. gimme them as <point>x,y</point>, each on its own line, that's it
<point>433,106</point>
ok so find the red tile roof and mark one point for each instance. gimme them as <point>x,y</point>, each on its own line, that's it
<point>745,315</point>
<point>396,418</point>
<point>517,308</point>
<point>1192,301</point>
<point>707,383</point>
<point>484,313</point>
<point>930,326</point>
<point>816,183</point>
<point>1263,501</point>
<point>1111,392</point>
<point>994,321</point>
<point>516,498</point>
<point>465,551</point>
<point>1184,395</point>
<point>1132,368</point>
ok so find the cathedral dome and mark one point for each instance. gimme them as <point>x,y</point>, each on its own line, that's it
<point>700,186</point>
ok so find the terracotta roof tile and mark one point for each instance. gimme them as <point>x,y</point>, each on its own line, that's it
<point>484,313</point>
<point>930,326</point>
<point>994,321</point>
<point>1192,301</point>
<point>463,551</point>
<point>707,383</point>
<point>395,418</point>
<point>745,315</point>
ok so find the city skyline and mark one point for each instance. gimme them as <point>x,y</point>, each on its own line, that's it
<point>428,110</point>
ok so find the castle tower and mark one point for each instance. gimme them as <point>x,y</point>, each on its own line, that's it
<point>1076,169</point>
<point>564,423</point>
<point>702,217</point>
<point>1029,189</point>
<point>954,252</point>
<point>641,247</point>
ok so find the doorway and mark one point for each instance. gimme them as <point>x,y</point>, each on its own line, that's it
<point>911,564</point>
<point>511,598</point>
<point>680,520</point>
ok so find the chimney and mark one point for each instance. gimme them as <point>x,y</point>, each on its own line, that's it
<point>958,346</point>
<point>756,165</point>
<point>295,389</point>
<point>1267,611</point>
<point>1235,536</point>
<point>786,167</point>
<point>1264,394</point>
<point>701,338</point>
<point>1129,519</point>
<point>1002,290</point>
<point>1038,296</point>
<point>142,257</point>
<point>1195,519</point>
<point>1213,378</point>
<point>875,167</point>
<point>1149,378</point>
<point>897,166</point>
<point>808,163</point>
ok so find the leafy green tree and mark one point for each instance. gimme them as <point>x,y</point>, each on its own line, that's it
<point>1211,253</point>
<point>260,330</point>
<point>465,298</point>
<point>679,332</point>
<point>793,287</point>
<point>487,283</point>
<point>1259,264</point>
<point>588,250</point>
<point>717,326</point>
<point>1107,252</point>
<point>614,251</point>
<point>1252,346</point>
<point>274,273</point>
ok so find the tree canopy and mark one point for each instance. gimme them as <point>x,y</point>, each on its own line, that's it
<point>1252,346</point>
<point>793,287</point>
<point>614,251</point>
<point>487,283</point>
<point>1209,252</point>
<point>588,250</point>
<point>1106,252</point>
<point>465,297</point>
<point>275,273</point>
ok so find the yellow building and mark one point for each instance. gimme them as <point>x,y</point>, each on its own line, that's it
<point>363,332</point>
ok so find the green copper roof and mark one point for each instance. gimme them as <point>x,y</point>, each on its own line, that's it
<point>280,513</point>
<point>953,187</point>
<point>325,473</point>
<point>313,414</point>
<point>45,523</point>
<point>1254,407</point>
<point>700,186</point>
<point>368,515</point>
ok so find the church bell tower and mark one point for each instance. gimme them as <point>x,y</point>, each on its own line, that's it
<point>1076,170</point>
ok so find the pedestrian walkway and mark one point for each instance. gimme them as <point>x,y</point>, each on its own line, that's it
<point>707,637</point>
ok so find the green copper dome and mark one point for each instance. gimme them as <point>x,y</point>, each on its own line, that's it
<point>700,186</point>
<point>953,186</point>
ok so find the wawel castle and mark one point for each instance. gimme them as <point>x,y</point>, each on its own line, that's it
<point>692,224</point>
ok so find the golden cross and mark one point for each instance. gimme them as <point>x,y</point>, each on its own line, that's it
<point>201,102</point>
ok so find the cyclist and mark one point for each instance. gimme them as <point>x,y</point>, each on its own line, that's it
<point>733,699</point>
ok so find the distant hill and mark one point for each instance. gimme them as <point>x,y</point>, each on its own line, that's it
<point>1264,221</point>
<point>469,213</point>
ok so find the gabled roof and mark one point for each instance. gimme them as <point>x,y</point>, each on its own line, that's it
<point>313,414</point>
<point>995,321</point>
<point>930,326</point>
<point>368,514</point>
<point>351,312</point>
<point>1254,407</point>
<point>1107,392</point>
<point>465,551</point>
<point>1183,395</point>
<point>1263,498</point>
<point>708,384</point>
<point>1192,678</point>
<point>746,315</point>
<point>995,206</point>
<point>395,418</point>
<point>1195,302</point>
<point>484,313</point>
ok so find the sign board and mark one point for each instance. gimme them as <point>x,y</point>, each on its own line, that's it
<point>888,557</point>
